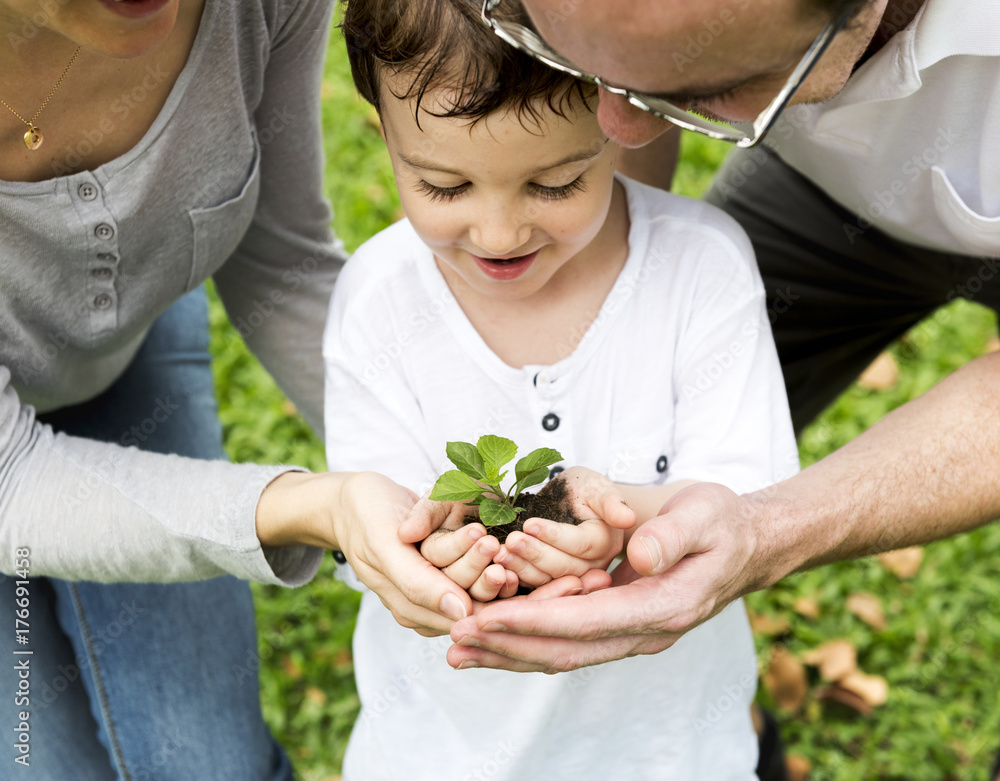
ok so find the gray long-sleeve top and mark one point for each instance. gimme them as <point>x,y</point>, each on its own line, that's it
<point>226,183</point>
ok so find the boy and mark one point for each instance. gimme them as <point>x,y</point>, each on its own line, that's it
<point>533,293</point>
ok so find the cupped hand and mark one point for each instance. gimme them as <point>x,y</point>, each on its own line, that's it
<point>371,510</point>
<point>465,553</point>
<point>683,567</point>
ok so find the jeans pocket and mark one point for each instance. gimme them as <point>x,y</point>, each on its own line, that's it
<point>218,229</point>
<point>975,233</point>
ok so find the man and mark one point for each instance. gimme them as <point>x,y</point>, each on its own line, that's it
<point>874,201</point>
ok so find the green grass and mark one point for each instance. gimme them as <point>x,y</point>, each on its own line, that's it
<point>939,650</point>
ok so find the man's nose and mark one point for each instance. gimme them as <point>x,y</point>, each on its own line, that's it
<point>625,124</point>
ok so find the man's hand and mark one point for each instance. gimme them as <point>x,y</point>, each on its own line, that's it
<point>683,567</point>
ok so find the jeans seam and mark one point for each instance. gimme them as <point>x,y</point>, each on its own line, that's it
<point>102,697</point>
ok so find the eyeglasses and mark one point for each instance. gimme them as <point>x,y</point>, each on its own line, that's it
<point>525,39</point>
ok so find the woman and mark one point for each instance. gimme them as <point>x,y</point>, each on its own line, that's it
<point>147,145</point>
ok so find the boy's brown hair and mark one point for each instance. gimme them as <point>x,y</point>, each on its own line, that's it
<point>444,44</point>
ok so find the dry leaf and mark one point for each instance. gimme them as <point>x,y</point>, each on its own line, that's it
<point>873,689</point>
<point>836,693</point>
<point>992,345</point>
<point>797,767</point>
<point>881,375</point>
<point>317,696</point>
<point>807,606</point>
<point>292,668</point>
<point>868,608</point>
<point>288,408</point>
<point>769,625</point>
<point>835,659</point>
<point>785,679</point>
<point>902,563</point>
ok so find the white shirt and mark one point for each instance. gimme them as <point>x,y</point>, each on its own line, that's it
<point>678,370</point>
<point>911,144</point>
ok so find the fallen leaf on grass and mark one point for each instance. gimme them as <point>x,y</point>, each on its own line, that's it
<point>881,374</point>
<point>785,679</point>
<point>797,767</point>
<point>992,345</point>
<point>807,606</point>
<point>903,563</point>
<point>316,696</point>
<point>873,689</point>
<point>835,659</point>
<point>838,694</point>
<point>288,408</point>
<point>868,608</point>
<point>772,626</point>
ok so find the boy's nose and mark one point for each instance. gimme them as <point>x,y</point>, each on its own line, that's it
<point>500,237</point>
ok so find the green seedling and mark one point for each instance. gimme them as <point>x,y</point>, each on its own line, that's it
<point>477,481</point>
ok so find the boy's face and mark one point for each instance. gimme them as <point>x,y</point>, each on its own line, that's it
<point>507,208</point>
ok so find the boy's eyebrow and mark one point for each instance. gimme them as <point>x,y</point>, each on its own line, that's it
<point>428,165</point>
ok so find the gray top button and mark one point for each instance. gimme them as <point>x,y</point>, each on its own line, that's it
<point>87,191</point>
<point>104,231</point>
<point>102,301</point>
<point>101,273</point>
<point>106,256</point>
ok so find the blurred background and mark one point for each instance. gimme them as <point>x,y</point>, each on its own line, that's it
<point>884,668</point>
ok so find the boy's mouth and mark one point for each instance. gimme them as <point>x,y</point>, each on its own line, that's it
<point>504,269</point>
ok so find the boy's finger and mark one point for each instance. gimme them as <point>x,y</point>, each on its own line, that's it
<point>443,548</point>
<point>510,588</point>
<point>467,569</point>
<point>489,584</point>
<point>588,540</point>
<point>527,573</point>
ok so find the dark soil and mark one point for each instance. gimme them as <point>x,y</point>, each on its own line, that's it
<point>552,502</point>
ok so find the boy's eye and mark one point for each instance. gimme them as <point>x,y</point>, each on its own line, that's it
<point>557,193</point>
<point>441,193</point>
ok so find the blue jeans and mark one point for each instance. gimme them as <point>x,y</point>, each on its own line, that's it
<point>144,681</point>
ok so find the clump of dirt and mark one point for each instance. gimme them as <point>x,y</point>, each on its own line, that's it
<point>552,502</point>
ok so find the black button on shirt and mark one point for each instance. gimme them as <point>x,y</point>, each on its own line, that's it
<point>661,464</point>
<point>550,422</point>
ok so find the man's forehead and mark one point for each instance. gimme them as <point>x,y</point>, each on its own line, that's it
<point>659,46</point>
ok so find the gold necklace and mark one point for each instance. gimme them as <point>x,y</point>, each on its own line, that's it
<point>33,137</point>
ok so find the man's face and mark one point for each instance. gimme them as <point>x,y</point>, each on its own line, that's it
<point>722,58</point>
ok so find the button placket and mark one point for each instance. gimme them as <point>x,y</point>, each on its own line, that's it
<point>101,296</point>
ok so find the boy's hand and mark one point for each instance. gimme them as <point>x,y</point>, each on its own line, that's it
<point>547,549</point>
<point>465,552</point>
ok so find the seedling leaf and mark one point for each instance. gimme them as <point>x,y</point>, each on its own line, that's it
<point>543,457</point>
<point>494,513</point>
<point>496,451</point>
<point>453,486</point>
<point>467,459</point>
<point>532,478</point>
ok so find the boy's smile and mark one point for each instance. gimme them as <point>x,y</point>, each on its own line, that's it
<point>513,207</point>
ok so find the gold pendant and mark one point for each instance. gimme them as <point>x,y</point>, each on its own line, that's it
<point>33,138</point>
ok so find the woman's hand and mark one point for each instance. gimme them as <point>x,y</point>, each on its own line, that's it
<point>361,514</point>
